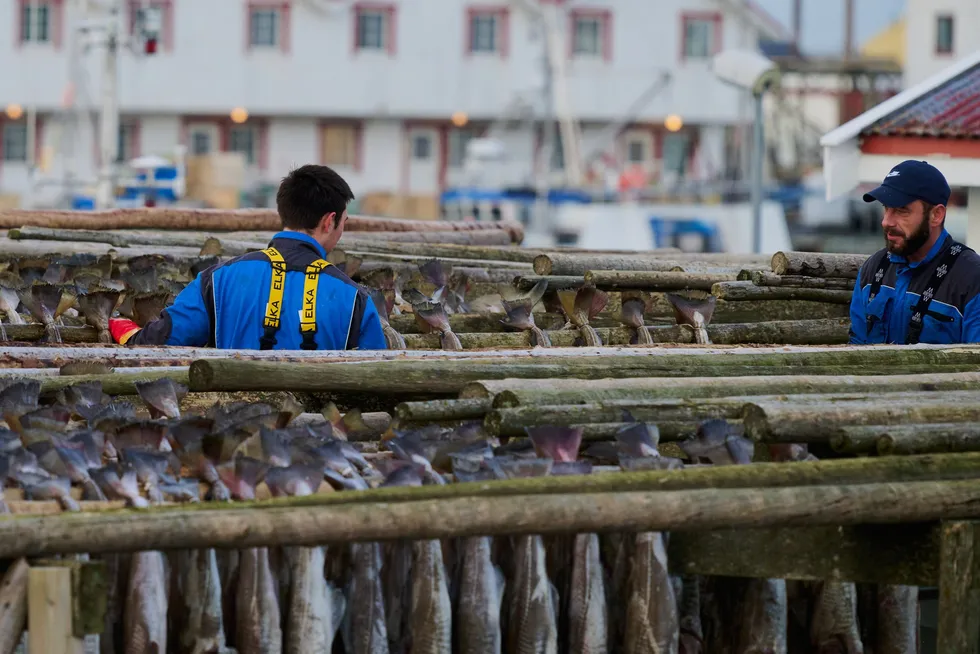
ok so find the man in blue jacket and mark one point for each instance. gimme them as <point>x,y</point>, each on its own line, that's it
<point>923,287</point>
<point>285,297</point>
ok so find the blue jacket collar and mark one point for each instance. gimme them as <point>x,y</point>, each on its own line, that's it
<point>933,253</point>
<point>303,238</point>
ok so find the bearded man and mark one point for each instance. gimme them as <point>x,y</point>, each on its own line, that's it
<point>923,287</point>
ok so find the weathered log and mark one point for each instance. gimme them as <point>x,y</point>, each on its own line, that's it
<point>35,332</point>
<point>116,383</point>
<point>818,264</point>
<point>476,274</point>
<point>481,237</point>
<point>555,282</point>
<point>13,606</point>
<point>179,528</point>
<point>466,323</point>
<point>508,393</point>
<point>180,218</point>
<point>920,439</point>
<point>741,291</point>
<point>50,250</point>
<point>781,422</point>
<point>958,630</point>
<point>442,410</point>
<point>127,239</point>
<point>515,267</point>
<point>768,278</point>
<point>655,281</point>
<point>559,263</point>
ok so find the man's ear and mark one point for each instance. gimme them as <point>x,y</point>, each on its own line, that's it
<point>327,222</point>
<point>938,215</point>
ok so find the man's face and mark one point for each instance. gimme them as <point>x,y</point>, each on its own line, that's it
<point>906,229</point>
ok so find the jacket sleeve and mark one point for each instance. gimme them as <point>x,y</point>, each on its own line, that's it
<point>185,322</point>
<point>859,316</point>
<point>971,321</point>
<point>371,337</point>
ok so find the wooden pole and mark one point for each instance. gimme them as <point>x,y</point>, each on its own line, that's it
<point>556,263</point>
<point>13,606</point>
<point>435,410</point>
<point>176,528</point>
<point>767,278</point>
<point>959,589</point>
<point>116,383</point>
<point>49,613</point>
<point>741,291</point>
<point>814,264</point>
<point>655,281</point>
<point>507,393</point>
<point>922,439</point>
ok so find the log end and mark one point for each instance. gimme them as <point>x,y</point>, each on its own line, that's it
<point>589,277</point>
<point>744,276</point>
<point>506,400</point>
<point>780,263</point>
<point>14,234</point>
<point>756,423</point>
<point>542,264</point>
<point>885,445</point>
<point>491,423</point>
<point>200,376</point>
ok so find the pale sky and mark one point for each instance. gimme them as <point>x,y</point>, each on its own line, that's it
<point>823,21</point>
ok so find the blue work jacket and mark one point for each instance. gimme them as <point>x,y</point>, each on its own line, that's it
<point>225,305</point>
<point>954,312</point>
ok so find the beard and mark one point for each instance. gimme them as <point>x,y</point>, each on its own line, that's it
<point>910,243</point>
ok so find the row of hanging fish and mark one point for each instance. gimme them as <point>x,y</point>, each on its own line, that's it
<point>570,593</point>
<point>86,289</point>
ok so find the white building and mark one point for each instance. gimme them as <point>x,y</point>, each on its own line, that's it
<point>371,87</point>
<point>939,33</point>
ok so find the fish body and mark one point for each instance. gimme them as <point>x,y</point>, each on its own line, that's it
<point>258,627</point>
<point>764,618</point>
<point>652,623</point>
<point>833,625</point>
<point>430,621</point>
<point>481,594</point>
<point>898,619</point>
<point>365,627</point>
<point>532,619</point>
<point>397,584</point>
<point>199,601</point>
<point>315,606</point>
<point>588,619</point>
<point>145,613</point>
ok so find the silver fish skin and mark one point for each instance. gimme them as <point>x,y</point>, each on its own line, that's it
<point>202,631</point>
<point>396,580</point>
<point>764,617</point>
<point>532,623</point>
<point>700,330</point>
<point>588,616</point>
<point>590,336</point>
<point>833,626</point>
<point>145,630</point>
<point>431,619</point>
<point>652,620</point>
<point>898,619</point>
<point>481,594</point>
<point>315,606</point>
<point>365,629</point>
<point>258,627</point>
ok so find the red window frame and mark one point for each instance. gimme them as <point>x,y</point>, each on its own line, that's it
<point>502,14</point>
<point>167,15</point>
<point>391,31</point>
<point>57,13</point>
<point>284,7</point>
<point>714,17</point>
<point>604,18</point>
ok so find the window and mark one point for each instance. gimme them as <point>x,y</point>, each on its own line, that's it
<point>374,28</point>
<point>35,22</point>
<point>421,147</point>
<point>487,31</point>
<point>676,150</point>
<point>459,139</point>
<point>14,146</point>
<point>128,141</point>
<point>201,142</point>
<point>241,138</point>
<point>339,145</point>
<point>264,25</point>
<point>701,37</point>
<point>944,34</point>
<point>590,33</point>
<point>557,153</point>
<point>636,152</point>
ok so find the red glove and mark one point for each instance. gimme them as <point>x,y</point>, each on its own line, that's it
<point>122,330</point>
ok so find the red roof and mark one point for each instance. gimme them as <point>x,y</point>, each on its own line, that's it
<point>951,110</point>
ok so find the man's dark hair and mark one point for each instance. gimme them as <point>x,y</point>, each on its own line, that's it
<point>309,193</point>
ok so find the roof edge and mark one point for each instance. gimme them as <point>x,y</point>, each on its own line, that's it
<point>854,127</point>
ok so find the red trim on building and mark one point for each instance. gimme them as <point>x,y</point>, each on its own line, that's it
<point>713,16</point>
<point>56,15</point>
<point>167,16</point>
<point>285,21</point>
<point>604,17</point>
<point>502,14</point>
<point>913,146</point>
<point>391,23</point>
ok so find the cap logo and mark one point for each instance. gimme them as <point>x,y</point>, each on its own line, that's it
<point>893,173</point>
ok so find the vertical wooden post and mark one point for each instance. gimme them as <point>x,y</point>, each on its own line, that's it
<point>959,595</point>
<point>13,606</point>
<point>49,612</point>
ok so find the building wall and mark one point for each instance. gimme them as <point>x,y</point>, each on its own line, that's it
<point>922,57</point>
<point>316,75</point>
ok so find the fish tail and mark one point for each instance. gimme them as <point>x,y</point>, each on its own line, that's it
<point>686,310</point>
<point>590,336</point>
<point>450,341</point>
<point>556,443</point>
<point>539,338</point>
<point>393,339</point>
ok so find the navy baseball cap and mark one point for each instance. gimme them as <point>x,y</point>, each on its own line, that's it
<point>910,181</point>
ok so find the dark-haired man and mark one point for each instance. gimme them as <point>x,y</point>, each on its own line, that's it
<point>285,297</point>
<point>923,287</point>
